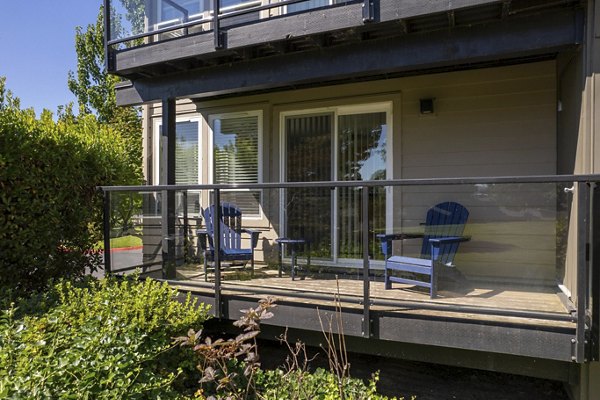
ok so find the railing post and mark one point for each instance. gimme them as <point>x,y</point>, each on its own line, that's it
<point>217,247</point>
<point>368,11</point>
<point>167,161</point>
<point>186,226</point>
<point>595,272</point>
<point>217,24</point>
<point>366,320</point>
<point>583,212</point>
<point>107,211</point>
<point>107,33</point>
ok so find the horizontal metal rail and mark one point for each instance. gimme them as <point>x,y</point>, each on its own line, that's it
<point>358,184</point>
<point>405,304</point>
<point>220,17</point>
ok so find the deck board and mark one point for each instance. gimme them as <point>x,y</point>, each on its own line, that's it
<point>462,293</point>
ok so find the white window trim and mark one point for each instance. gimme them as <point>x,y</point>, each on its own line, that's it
<point>156,146</point>
<point>210,169</point>
<point>343,109</point>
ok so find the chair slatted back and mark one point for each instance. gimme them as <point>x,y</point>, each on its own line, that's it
<point>444,220</point>
<point>230,227</point>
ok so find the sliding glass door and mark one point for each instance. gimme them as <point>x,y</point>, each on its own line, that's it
<point>309,150</point>
<point>346,144</point>
<point>361,151</point>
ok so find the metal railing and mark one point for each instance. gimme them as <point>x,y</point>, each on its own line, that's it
<point>214,17</point>
<point>585,187</point>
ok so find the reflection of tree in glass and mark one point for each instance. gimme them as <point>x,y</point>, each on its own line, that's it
<point>362,156</point>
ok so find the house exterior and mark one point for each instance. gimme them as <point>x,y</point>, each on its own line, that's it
<point>310,115</point>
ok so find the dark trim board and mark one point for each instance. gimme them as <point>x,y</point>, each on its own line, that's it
<point>505,363</point>
<point>520,37</point>
<point>348,16</point>
<point>535,342</point>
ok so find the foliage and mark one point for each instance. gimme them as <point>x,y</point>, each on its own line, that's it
<point>106,339</point>
<point>50,211</point>
<point>231,370</point>
<point>228,367</point>
<point>94,89</point>
<point>320,384</point>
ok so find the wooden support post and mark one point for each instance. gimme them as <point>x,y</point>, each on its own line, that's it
<point>167,177</point>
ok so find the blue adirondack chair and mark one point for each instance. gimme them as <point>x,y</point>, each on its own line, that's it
<point>230,237</point>
<point>444,227</point>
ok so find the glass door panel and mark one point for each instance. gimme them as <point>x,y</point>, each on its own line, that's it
<point>361,157</point>
<point>309,144</point>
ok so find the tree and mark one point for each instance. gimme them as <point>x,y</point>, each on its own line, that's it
<point>94,88</point>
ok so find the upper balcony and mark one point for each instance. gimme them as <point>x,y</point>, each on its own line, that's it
<point>147,40</point>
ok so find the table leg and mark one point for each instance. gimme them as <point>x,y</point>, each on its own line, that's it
<point>293,262</point>
<point>280,258</point>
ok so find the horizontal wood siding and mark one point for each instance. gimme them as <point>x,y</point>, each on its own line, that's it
<point>486,123</point>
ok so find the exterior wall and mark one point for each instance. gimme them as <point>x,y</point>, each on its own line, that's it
<point>588,161</point>
<point>487,122</point>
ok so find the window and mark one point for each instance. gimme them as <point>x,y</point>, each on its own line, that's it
<point>341,143</point>
<point>187,157</point>
<point>236,156</point>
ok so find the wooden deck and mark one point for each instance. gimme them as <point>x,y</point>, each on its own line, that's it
<point>411,300</point>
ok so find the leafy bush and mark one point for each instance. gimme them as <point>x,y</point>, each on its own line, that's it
<point>231,370</point>
<point>320,384</point>
<point>105,339</point>
<point>50,210</point>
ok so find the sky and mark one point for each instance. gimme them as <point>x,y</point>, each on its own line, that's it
<point>37,48</point>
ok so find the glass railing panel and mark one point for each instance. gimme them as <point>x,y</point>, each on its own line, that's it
<point>130,18</point>
<point>517,249</point>
<point>135,231</point>
<point>515,257</point>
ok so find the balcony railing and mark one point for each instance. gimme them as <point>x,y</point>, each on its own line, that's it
<point>529,256</point>
<point>133,23</point>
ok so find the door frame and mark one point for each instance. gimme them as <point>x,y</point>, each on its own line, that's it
<point>336,111</point>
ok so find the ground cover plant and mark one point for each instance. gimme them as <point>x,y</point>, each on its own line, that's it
<point>108,339</point>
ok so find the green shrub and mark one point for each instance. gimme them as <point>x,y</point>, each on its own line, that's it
<point>50,210</point>
<point>104,339</point>
<point>321,384</point>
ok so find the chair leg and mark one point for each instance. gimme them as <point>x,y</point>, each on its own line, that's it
<point>252,266</point>
<point>433,288</point>
<point>388,283</point>
<point>205,268</point>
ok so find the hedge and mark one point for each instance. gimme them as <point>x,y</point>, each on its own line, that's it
<point>106,339</point>
<point>50,210</point>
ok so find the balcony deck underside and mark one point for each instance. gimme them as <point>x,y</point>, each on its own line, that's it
<point>169,71</point>
<point>417,319</point>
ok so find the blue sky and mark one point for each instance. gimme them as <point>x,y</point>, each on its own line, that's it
<point>37,47</point>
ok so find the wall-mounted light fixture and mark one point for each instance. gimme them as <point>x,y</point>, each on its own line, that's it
<point>426,106</point>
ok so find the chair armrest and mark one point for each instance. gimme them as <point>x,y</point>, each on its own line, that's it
<point>398,236</point>
<point>447,240</point>
<point>254,234</point>
<point>386,240</point>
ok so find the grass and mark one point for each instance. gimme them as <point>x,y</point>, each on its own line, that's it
<point>123,241</point>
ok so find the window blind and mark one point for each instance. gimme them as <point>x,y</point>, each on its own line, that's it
<point>236,159</point>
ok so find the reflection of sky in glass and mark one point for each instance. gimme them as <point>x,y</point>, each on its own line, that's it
<point>168,12</point>
<point>373,167</point>
<point>222,139</point>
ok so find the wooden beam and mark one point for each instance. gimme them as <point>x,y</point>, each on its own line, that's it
<point>523,37</point>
